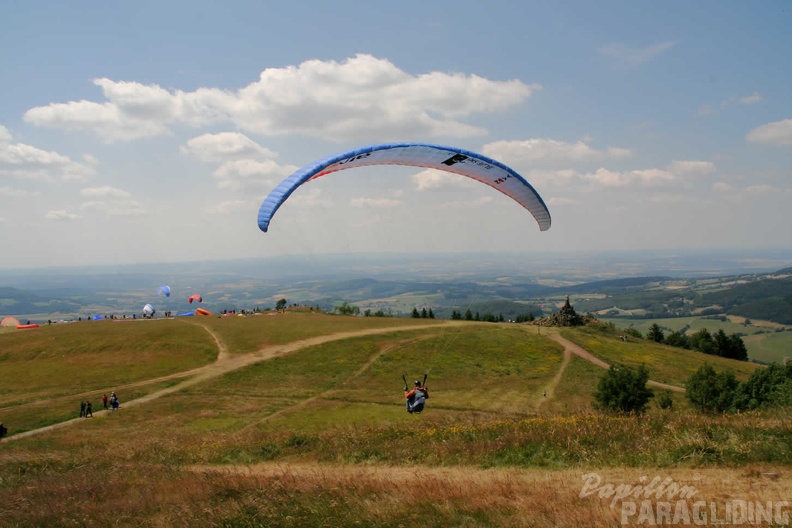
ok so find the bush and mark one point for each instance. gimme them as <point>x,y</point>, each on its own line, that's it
<point>623,390</point>
<point>709,391</point>
<point>665,401</point>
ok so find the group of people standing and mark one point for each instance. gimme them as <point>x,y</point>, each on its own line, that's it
<point>86,407</point>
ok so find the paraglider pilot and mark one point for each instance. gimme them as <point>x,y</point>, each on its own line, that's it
<point>416,398</point>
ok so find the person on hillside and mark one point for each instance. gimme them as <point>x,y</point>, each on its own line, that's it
<point>82,409</point>
<point>3,430</point>
<point>88,409</point>
<point>416,398</point>
<point>104,401</point>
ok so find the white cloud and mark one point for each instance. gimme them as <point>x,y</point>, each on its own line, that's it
<point>225,146</point>
<point>705,110</point>
<point>647,177</point>
<point>374,202</point>
<point>244,174</point>
<point>549,152</point>
<point>776,133</point>
<point>628,56</point>
<point>116,207</point>
<point>435,179</point>
<point>754,98</point>
<point>723,187</point>
<point>28,162</point>
<point>361,98</point>
<point>691,168</point>
<point>232,206</point>
<point>762,188</point>
<point>8,191</point>
<point>671,198</point>
<point>561,201</point>
<point>467,204</point>
<point>61,214</point>
<point>105,191</point>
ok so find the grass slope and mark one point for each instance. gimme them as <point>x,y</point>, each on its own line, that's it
<point>319,437</point>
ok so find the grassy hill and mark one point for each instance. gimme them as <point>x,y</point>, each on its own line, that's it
<point>298,420</point>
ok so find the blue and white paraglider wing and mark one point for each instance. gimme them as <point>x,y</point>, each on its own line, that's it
<point>164,290</point>
<point>448,159</point>
<point>149,310</point>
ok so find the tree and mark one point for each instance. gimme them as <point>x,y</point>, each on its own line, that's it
<point>677,339</point>
<point>468,315</point>
<point>765,387</point>
<point>703,342</point>
<point>623,390</point>
<point>424,313</point>
<point>431,314</point>
<point>633,332</point>
<point>281,304</point>
<point>709,391</point>
<point>347,309</point>
<point>655,333</point>
<point>415,314</point>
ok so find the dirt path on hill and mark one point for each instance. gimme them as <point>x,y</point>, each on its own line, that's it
<point>229,364</point>
<point>549,389</point>
<point>588,356</point>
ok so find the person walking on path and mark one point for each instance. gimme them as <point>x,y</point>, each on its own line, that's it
<point>82,409</point>
<point>104,401</point>
<point>88,409</point>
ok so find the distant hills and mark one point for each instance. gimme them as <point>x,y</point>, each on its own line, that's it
<point>510,285</point>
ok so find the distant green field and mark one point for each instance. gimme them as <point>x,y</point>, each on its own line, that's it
<point>770,348</point>
<point>761,346</point>
<point>666,364</point>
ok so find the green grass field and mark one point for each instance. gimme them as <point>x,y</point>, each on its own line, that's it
<point>317,435</point>
<point>760,339</point>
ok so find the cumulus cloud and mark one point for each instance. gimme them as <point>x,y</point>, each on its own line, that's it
<point>105,191</point>
<point>549,152</point>
<point>374,202</point>
<point>361,97</point>
<point>61,214</point>
<point>225,146</point>
<point>116,207</point>
<point>23,161</point>
<point>435,179</point>
<point>244,164</point>
<point>776,133</point>
<point>722,187</point>
<point>9,191</point>
<point>692,168</point>
<point>628,56</point>
<point>676,172</point>
<point>232,206</point>
<point>561,201</point>
<point>467,204</point>
<point>239,175</point>
<point>754,98</point>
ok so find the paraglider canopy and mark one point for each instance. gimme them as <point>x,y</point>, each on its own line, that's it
<point>149,310</point>
<point>196,298</point>
<point>448,159</point>
<point>9,322</point>
<point>164,290</point>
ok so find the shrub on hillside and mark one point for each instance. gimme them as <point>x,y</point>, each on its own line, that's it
<point>771,386</point>
<point>709,391</point>
<point>623,390</point>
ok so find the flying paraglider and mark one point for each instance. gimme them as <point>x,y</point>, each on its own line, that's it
<point>196,298</point>
<point>149,310</point>
<point>449,159</point>
<point>164,290</point>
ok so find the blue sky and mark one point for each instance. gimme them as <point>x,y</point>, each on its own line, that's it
<point>152,131</point>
